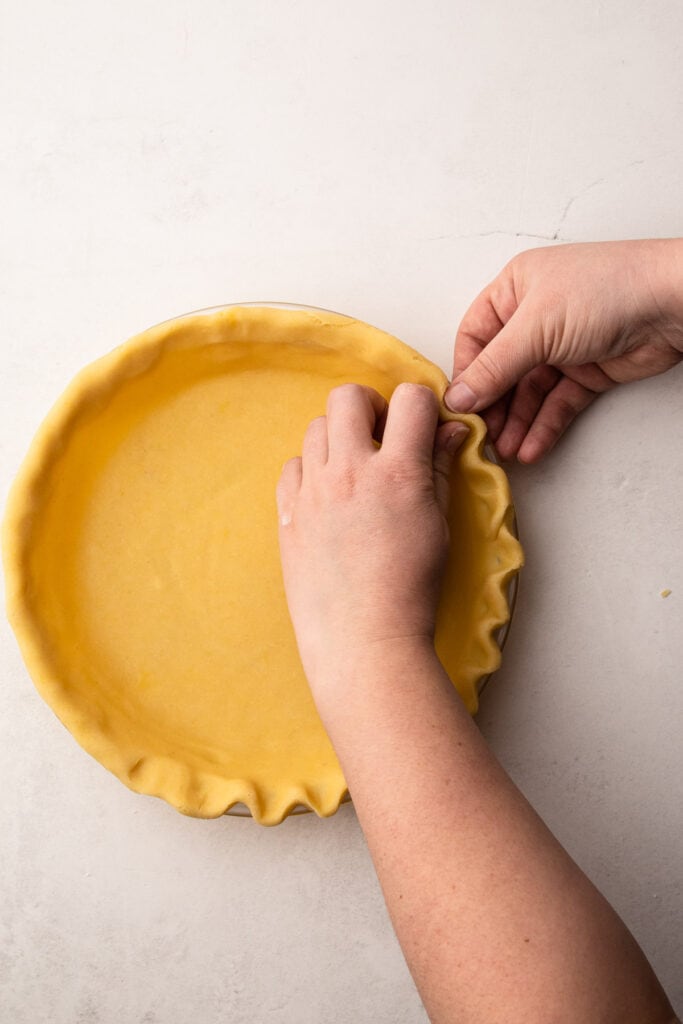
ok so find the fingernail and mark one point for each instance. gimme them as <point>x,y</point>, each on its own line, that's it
<point>460,397</point>
<point>456,437</point>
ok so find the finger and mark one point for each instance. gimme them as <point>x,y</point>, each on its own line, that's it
<point>354,413</point>
<point>515,350</point>
<point>591,376</point>
<point>449,438</point>
<point>528,397</point>
<point>411,423</point>
<point>486,316</point>
<point>495,417</point>
<point>315,442</point>
<point>640,362</point>
<point>468,347</point>
<point>561,406</point>
<point>287,490</point>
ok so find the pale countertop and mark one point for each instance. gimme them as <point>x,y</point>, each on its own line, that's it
<point>384,160</point>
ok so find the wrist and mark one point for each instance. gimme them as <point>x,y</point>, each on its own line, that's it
<point>666,283</point>
<point>344,678</point>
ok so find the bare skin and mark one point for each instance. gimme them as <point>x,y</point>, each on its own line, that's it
<point>496,922</point>
<point>560,326</point>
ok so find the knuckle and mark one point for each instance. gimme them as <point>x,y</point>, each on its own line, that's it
<point>415,392</point>
<point>564,412</point>
<point>499,288</point>
<point>316,426</point>
<point>515,422</point>
<point>489,368</point>
<point>526,256</point>
<point>343,481</point>
<point>547,432</point>
<point>399,471</point>
<point>539,382</point>
<point>344,392</point>
<point>280,488</point>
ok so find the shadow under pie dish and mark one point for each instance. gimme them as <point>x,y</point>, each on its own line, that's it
<point>141,555</point>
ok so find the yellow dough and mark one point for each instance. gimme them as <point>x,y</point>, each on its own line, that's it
<point>142,567</point>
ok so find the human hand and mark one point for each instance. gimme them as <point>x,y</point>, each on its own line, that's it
<point>363,530</point>
<point>558,327</point>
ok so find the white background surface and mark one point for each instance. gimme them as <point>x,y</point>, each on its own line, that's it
<point>384,160</point>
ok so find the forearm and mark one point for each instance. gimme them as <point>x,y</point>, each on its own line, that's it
<point>495,920</point>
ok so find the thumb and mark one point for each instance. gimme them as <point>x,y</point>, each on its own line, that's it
<point>498,367</point>
<point>449,438</point>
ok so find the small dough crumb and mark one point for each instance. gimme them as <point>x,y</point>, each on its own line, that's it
<point>664,593</point>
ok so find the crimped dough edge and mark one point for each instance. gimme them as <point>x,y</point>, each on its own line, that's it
<point>190,790</point>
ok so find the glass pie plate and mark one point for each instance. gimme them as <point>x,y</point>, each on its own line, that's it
<point>142,566</point>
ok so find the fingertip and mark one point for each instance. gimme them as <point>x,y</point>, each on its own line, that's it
<point>530,452</point>
<point>507,447</point>
<point>503,455</point>
<point>494,418</point>
<point>450,436</point>
<point>414,392</point>
<point>290,477</point>
<point>411,422</point>
<point>456,437</point>
<point>460,397</point>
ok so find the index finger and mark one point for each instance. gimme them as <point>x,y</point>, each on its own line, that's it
<point>484,318</point>
<point>479,325</point>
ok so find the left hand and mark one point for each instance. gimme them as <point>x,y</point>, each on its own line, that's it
<point>363,530</point>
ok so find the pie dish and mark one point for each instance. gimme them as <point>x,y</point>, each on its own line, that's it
<point>141,558</point>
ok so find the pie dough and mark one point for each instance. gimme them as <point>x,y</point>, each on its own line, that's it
<point>142,567</point>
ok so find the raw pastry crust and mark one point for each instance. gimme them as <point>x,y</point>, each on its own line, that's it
<point>142,567</point>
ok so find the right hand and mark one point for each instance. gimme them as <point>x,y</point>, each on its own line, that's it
<point>559,326</point>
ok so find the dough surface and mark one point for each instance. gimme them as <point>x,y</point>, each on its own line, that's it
<point>142,566</point>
